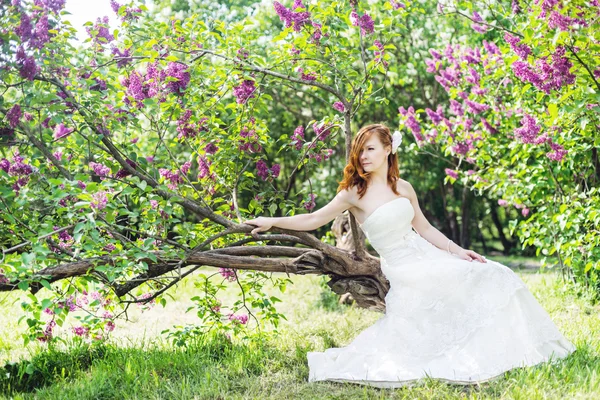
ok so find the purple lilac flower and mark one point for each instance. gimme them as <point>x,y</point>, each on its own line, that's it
<point>412,123</point>
<point>558,152</point>
<point>5,165</point>
<point>298,137</point>
<point>60,131</point>
<point>295,19</point>
<point>178,71</point>
<point>476,108</point>
<point>491,48</point>
<point>310,76</point>
<point>451,173</point>
<point>40,35</point>
<point>275,169</point>
<point>473,77</point>
<point>25,28</point>
<point>436,117</point>
<point>366,24</point>
<point>123,57</point>
<point>26,64</point>
<point>244,91</point>
<point>317,33</point>
<point>123,172</point>
<point>529,130</point>
<point>203,168</point>
<point>51,5</point>
<point>262,170</point>
<point>99,169</point>
<point>101,26</point>
<point>456,108</point>
<point>488,127</point>
<point>522,50</point>
<point>211,148</point>
<point>14,115</point>
<point>397,5</point>
<point>322,131</point>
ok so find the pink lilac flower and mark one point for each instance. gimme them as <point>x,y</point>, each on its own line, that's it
<point>380,53</point>
<point>502,202</point>
<point>99,169</point>
<point>244,91</point>
<point>310,204</point>
<point>228,274</point>
<point>60,131</point>
<point>99,200</point>
<point>154,204</point>
<point>174,178</point>
<point>397,5</point>
<point>452,173</point>
<point>3,279</point>
<point>14,115</point>
<point>242,319</point>
<point>47,334</point>
<point>515,7</point>
<point>525,211</point>
<point>185,168</point>
<point>81,330</point>
<point>339,106</point>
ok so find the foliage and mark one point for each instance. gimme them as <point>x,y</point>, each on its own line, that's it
<point>522,120</point>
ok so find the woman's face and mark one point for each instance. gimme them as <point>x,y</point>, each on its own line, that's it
<point>373,155</point>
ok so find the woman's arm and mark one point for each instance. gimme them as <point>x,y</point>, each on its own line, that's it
<point>433,235</point>
<point>305,222</point>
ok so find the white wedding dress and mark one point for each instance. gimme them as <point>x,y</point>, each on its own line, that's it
<point>446,318</point>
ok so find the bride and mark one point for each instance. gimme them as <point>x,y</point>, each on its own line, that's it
<point>450,313</point>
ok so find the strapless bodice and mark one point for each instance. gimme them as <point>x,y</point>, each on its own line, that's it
<point>389,226</point>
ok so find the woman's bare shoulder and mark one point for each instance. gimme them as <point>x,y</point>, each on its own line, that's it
<point>405,188</point>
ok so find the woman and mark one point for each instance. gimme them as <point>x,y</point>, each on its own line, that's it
<point>447,317</point>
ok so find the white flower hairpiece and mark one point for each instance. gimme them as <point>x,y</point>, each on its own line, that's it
<point>396,140</point>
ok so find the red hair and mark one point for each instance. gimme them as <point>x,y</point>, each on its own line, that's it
<point>355,175</point>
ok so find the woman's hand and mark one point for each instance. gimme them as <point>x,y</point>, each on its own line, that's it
<point>262,224</point>
<point>470,255</point>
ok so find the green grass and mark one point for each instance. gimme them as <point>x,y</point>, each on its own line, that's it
<point>138,363</point>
